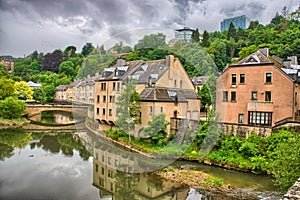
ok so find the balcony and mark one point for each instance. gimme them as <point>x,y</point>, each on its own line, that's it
<point>260,106</point>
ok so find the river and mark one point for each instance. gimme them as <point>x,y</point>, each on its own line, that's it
<point>80,165</point>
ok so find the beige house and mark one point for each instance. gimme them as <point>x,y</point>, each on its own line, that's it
<point>163,85</point>
<point>258,93</point>
<point>8,63</point>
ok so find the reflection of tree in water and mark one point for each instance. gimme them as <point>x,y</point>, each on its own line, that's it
<point>6,151</point>
<point>125,184</point>
<point>53,142</point>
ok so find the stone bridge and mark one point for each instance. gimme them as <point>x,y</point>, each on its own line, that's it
<point>35,109</point>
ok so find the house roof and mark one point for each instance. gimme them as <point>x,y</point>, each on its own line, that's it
<point>139,70</point>
<point>62,88</point>
<point>167,94</point>
<point>33,84</point>
<point>199,80</point>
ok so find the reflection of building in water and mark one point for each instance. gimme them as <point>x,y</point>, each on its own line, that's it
<point>63,118</point>
<point>114,184</point>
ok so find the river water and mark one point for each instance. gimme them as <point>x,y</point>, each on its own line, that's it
<point>80,165</point>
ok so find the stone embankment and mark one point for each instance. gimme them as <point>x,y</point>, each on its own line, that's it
<point>294,192</point>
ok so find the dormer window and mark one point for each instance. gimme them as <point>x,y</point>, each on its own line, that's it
<point>108,71</point>
<point>121,70</point>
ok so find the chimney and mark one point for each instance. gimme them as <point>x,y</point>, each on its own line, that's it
<point>121,62</point>
<point>294,60</point>
<point>170,64</point>
<point>264,50</point>
<point>287,63</point>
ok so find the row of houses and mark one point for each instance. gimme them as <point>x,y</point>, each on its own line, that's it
<point>163,85</point>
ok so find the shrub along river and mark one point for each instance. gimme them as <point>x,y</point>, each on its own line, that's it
<point>81,165</point>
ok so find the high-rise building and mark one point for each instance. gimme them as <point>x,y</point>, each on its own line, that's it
<point>238,22</point>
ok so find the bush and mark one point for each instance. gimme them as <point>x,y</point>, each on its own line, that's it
<point>11,108</point>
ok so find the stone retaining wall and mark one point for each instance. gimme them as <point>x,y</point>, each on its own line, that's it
<point>294,192</point>
<point>244,131</point>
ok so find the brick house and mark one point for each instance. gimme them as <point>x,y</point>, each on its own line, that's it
<point>258,93</point>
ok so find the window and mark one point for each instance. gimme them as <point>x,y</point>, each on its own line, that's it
<point>102,170</point>
<point>114,85</point>
<point>96,168</point>
<point>225,96</point>
<point>109,173</point>
<point>98,111</point>
<point>104,98</point>
<point>111,186</point>
<point>108,160</point>
<point>101,182</point>
<point>174,83</point>
<point>111,99</point>
<point>151,109</point>
<point>103,158</point>
<point>233,79</point>
<point>241,118</point>
<point>233,96</point>
<point>118,87</point>
<point>269,77</point>
<point>103,86</point>
<point>103,111</point>
<point>116,162</point>
<point>98,98</point>
<point>110,112</point>
<point>180,83</point>
<point>260,118</point>
<point>161,109</point>
<point>254,96</point>
<point>242,78</point>
<point>268,96</point>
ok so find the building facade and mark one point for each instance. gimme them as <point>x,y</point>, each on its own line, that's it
<point>184,34</point>
<point>258,93</point>
<point>8,63</point>
<point>238,22</point>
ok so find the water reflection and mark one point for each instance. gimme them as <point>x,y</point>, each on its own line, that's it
<point>54,117</point>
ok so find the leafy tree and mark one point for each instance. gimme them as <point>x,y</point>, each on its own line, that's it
<point>217,51</point>
<point>152,41</point>
<point>39,95</point>
<point>87,49</point>
<point>195,36</point>
<point>156,129</point>
<point>126,49</point>
<point>67,67</point>
<point>50,92</point>
<point>4,72</point>
<point>12,108</point>
<point>128,108</point>
<point>246,51</point>
<point>205,95</point>
<point>69,52</point>
<point>22,90</point>
<point>6,88</point>
<point>205,40</point>
<point>253,25</point>
<point>52,61</point>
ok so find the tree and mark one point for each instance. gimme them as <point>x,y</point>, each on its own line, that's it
<point>67,67</point>
<point>253,25</point>
<point>195,36</point>
<point>128,108</point>
<point>205,40</point>
<point>152,41</point>
<point>87,49</point>
<point>22,90</point>
<point>232,32</point>
<point>156,129</point>
<point>205,95</point>
<point>50,92</point>
<point>69,52</point>
<point>6,88</point>
<point>217,51</point>
<point>4,72</point>
<point>39,95</point>
<point>12,108</point>
<point>52,61</point>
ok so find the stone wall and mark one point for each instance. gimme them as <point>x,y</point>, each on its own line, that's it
<point>244,131</point>
<point>294,192</point>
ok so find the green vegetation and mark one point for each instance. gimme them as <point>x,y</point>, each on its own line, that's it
<point>12,108</point>
<point>277,155</point>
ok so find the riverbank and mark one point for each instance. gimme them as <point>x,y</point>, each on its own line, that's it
<point>13,123</point>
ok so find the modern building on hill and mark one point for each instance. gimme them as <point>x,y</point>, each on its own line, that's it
<point>258,93</point>
<point>184,34</point>
<point>238,22</point>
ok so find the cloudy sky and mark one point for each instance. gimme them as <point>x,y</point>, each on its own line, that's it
<point>46,25</point>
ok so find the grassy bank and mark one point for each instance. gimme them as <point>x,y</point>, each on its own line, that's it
<point>4,123</point>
